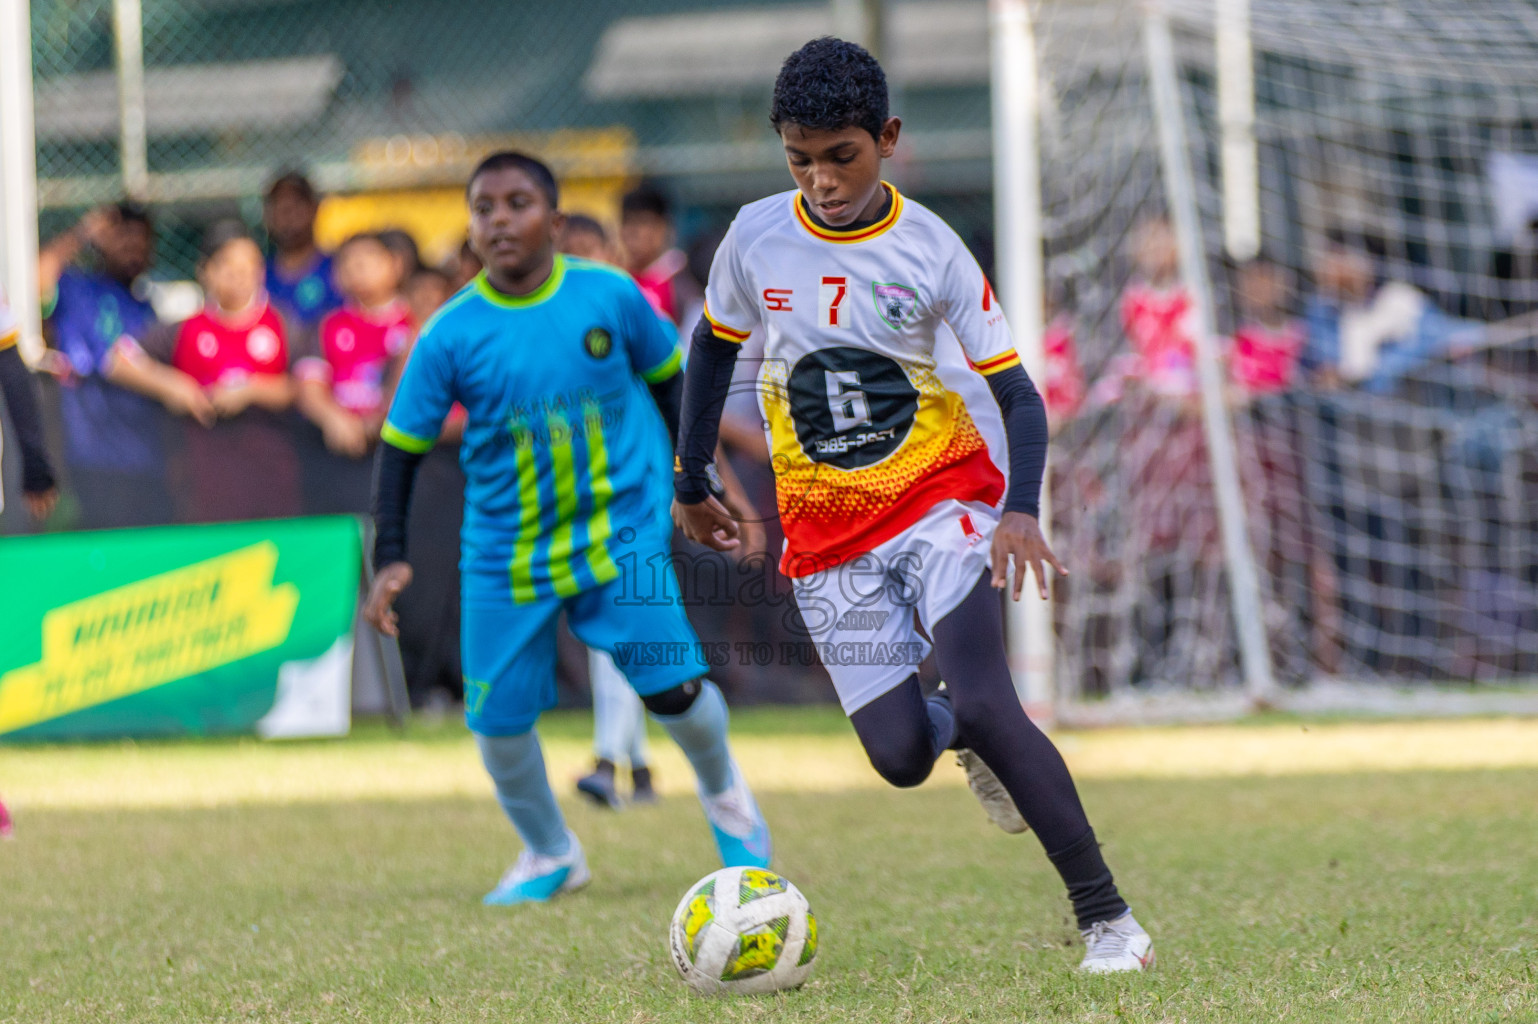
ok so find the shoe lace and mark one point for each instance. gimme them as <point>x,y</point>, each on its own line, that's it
<point>1104,940</point>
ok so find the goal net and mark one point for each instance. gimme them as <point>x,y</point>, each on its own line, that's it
<point>1380,355</point>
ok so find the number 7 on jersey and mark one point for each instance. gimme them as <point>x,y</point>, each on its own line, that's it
<point>830,302</point>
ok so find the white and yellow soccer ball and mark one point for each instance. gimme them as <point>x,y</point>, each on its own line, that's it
<point>743,931</point>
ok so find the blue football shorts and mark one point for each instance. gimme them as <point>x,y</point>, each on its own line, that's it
<point>509,650</point>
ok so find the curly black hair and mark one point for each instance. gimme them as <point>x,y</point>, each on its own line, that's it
<point>830,84</point>
<point>537,172</point>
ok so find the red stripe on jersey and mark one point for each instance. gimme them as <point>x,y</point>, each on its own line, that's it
<point>999,362</point>
<point>724,332</point>
<point>813,545</point>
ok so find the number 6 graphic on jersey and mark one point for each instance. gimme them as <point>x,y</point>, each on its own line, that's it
<point>851,407</point>
<point>846,401</point>
<point>830,302</point>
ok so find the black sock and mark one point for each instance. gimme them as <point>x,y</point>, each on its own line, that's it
<point>1089,882</point>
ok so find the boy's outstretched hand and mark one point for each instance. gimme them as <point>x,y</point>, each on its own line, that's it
<point>1019,536</point>
<point>709,523</point>
<point>379,609</point>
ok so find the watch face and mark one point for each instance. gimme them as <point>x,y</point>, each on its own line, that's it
<point>713,479</point>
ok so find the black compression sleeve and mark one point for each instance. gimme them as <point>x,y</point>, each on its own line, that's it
<point>1025,427</point>
<point>26,416</point>
<point>394,474</point>
<point>706,385</point>
<point>669,396</point>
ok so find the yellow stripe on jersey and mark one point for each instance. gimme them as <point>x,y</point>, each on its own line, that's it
<point>864,234</point>
<point>724,332</point>
<point>665,369</point>
<point>1004,361</point>
<point>394,436</point>
<point>9,339</point>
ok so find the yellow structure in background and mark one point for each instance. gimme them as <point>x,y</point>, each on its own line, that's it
<point>416,183</point>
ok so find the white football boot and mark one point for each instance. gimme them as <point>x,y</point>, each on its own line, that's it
<point>535,878</point>
<point>741,834</point>
<point>990,792</point>
<point>1119,945</point>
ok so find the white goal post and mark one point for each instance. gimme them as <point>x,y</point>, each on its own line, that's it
<point>1301,467</point>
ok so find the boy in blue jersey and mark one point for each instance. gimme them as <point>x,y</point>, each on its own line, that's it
<point>568,380</point>
<point>299,278</point>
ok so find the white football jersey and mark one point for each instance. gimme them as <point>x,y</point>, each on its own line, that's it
<point>874,340</point>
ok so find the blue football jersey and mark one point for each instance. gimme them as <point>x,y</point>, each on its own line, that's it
<point>565,455</point>
<point>105,426</point>
<point>307,298</point>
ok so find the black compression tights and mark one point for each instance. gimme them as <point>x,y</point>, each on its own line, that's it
<point>903,740</point>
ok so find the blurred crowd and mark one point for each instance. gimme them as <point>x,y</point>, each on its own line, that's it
<point>267,402</point>
<point>1317,361</point>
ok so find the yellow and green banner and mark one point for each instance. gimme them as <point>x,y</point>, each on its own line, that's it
<point>235,627</point>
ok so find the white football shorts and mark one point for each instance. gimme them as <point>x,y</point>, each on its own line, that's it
<point>870,618</point>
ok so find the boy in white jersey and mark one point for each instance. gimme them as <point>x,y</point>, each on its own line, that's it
<point>882,341</point>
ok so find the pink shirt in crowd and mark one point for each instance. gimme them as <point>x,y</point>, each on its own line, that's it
<point>1063,388</point>
<point>1158,325</point>
<point>1264,360</point>
<point>214,349</point>
<point>355,349</point>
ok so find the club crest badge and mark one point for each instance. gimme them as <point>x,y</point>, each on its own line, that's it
<point>896,304</point>
<point>598,343</point>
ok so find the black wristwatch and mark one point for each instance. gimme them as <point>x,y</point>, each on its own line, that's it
<point>713,484</point>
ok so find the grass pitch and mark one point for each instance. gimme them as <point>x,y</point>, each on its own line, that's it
<point>1289,871</point>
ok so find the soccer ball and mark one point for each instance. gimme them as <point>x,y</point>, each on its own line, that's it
<point>744,931</point>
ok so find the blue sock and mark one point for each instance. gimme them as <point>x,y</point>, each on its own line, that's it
<point>701,732</point>
<point>517,766</point>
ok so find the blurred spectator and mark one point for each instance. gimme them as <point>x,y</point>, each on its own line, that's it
<point>1172,516</point>
<point>299,277</point>
<point>226,370</point>
<point>341,372</point>
<point>646,234</point>
<point>1062,390</point>
<point>429,608</point>
<point>465,265</point>
<point>404,247</point>
<point>1268,343</point>
<point>585,237</point>
<point>20,393</point>
<point>424,291</point>
<point>1157,312</point>
<point>1516,266</point>
<point>1263,360</point>
<point>1367,333</point>
<point>114,447</point>
<point>742,420</point>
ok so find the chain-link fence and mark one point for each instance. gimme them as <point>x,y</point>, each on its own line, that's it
<point>1393,525</point>
<point>1374,357</point>
<point>367,96</point>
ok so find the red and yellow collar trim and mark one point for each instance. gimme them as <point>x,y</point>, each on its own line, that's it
<point>864,234</point>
